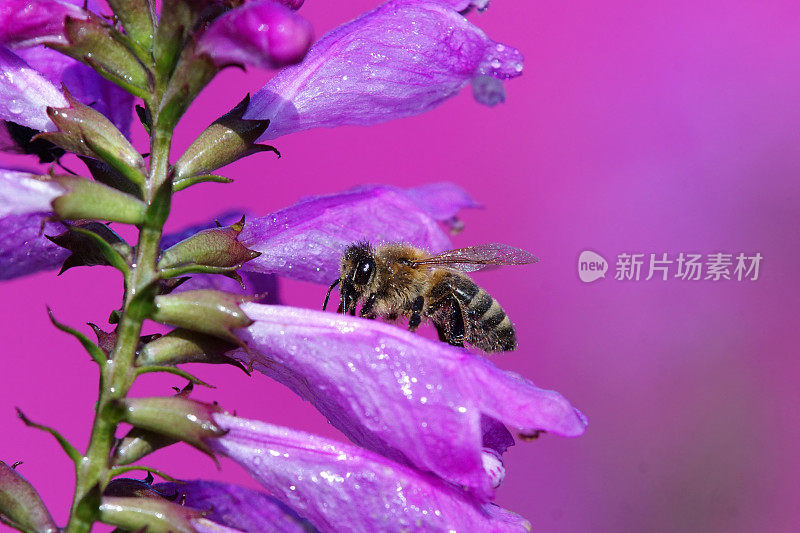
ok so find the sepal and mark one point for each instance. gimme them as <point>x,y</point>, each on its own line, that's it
<point>20,505</point>
<point>124,487</point>
<point>174,417</point>
<point>93,244</point>
<point>87,132</point>
<point>212,312</point>
<point>227,139</point>
<point>154,515</point>
<point>86,199</point>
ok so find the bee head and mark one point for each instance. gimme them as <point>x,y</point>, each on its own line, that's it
<point>359,262</point>
<point>358,270</point>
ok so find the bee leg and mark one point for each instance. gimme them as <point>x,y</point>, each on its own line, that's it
<point>451,327</point>
<point>442,331</point>
<point>366,309</point>
<point>456,330</point>
<point>416,310</point>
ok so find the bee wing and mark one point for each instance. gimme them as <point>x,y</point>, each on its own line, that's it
<point>479,257</point>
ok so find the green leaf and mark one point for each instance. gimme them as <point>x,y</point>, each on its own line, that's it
<point>68,448</point>
<point>175,371</point>
<point>94,350</point>
<point>119,470</point>
<point>183,183</point>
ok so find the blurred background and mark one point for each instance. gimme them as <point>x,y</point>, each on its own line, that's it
<point>645,127</point>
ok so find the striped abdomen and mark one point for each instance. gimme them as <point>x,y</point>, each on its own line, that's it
<point>487,325</point>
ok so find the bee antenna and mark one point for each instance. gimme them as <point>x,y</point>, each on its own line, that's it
<point>327,296</point>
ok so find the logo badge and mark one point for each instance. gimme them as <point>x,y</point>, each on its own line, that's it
<point>591,266</point>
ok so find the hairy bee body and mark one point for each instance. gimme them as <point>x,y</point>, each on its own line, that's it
<point>390,282</point>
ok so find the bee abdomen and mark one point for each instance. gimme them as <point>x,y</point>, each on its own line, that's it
<point>490,328</point>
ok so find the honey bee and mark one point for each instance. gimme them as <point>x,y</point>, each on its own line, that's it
<point>394,280</point>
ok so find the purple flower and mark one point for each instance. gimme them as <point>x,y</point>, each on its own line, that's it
<point>25,94</point>
<point>266,34</point>
<point>416,401</point>
<point>306,241</point>
<point>31,75</point>
<point>466,5</point>
<point>237,507</point>
<point>24,209</point>
<point>83,83</point>
<point>338,487</point>
<point>26,23</point>
<point>400,59</point>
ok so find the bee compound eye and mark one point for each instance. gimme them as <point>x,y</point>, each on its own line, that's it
<point>363,271</point>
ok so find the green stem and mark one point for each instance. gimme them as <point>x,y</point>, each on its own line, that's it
<point>93,471</point>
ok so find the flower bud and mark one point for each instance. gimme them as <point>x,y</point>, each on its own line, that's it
<point>87,132</point>
<point>173,417</point>
<point>216,247</point>
<point>88,199</point>
<point>262,33</point>
<point>207,311</point>
<point>184,346</point>
<point>148,514</point>
<point>20,505</point>
<point>227,139</point>
<point>136,444</point>
<point>137,19</point>
<point>94,42</point>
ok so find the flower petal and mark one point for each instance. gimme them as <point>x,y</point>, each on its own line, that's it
<point>26,23</point>
<point>266,34</point>
<point>83,83</point>
<point>413,400</point>
<point>24,207</point>
<point>306,241</point>
<point>25,94</point>
<point>403,58</point>
<point>466,5</point>
<point>339,487</point>
<point>237,507</point>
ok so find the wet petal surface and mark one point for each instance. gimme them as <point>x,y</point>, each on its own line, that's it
<point>339,487</point>
<point>416,401</point>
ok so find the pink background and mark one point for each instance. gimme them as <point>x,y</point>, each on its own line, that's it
<point>637,127</point>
